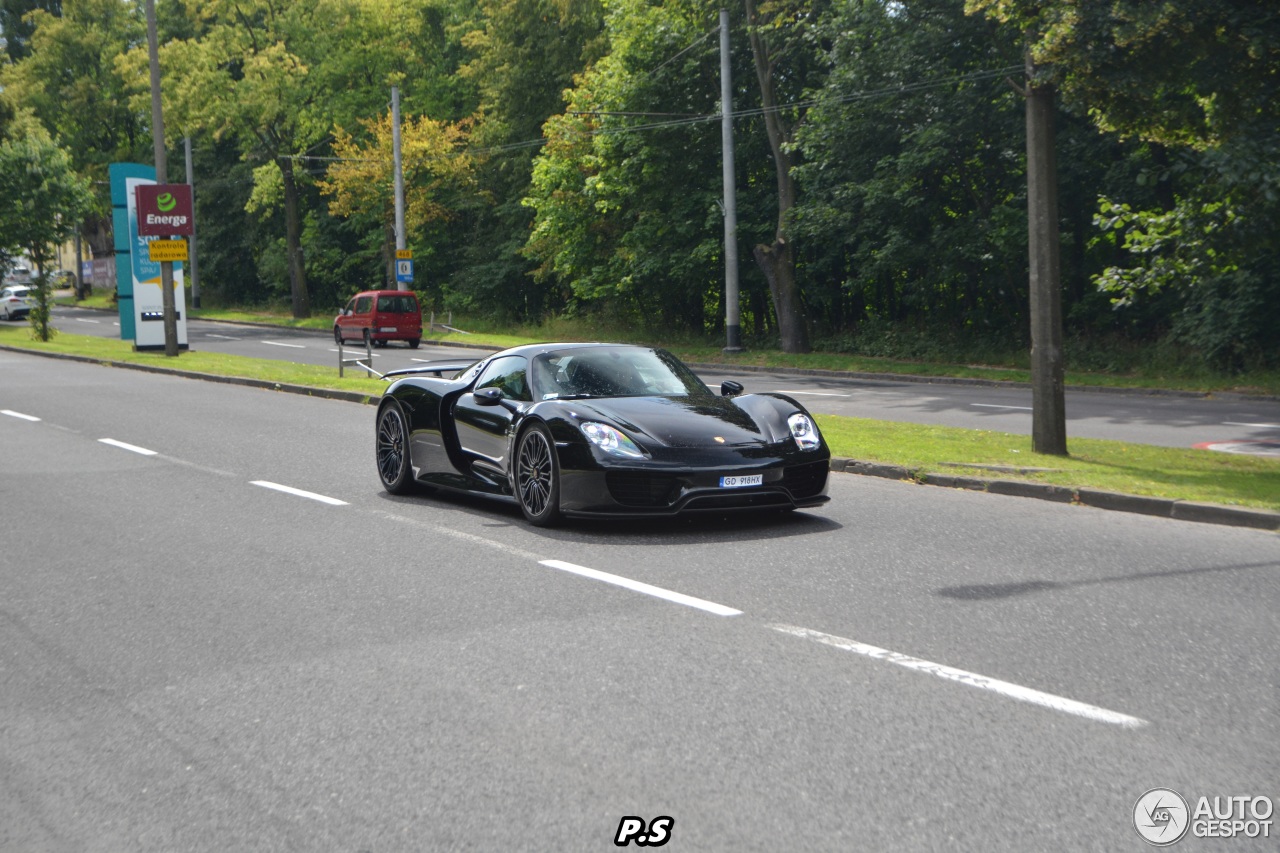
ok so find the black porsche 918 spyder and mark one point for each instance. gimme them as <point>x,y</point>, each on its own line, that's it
<point>596,430</point>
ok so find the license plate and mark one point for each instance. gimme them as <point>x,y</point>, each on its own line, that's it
<point>741,480</point>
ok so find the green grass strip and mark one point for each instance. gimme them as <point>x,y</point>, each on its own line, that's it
<point>267,370</point>
<point>1117,466</point>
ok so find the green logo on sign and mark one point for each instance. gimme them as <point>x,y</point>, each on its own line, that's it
<point>166,202</point>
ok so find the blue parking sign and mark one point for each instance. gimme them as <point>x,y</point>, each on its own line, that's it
<point>404,271</point>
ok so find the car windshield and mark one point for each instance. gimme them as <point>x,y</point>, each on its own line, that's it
<point>613,372</point>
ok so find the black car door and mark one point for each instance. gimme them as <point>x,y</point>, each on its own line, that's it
<point>482,430</point>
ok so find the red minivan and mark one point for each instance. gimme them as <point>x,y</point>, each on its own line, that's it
<point>380,316</point>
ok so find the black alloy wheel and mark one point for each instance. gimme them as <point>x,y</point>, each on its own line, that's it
<point>538,477</point>
<point>393,451</point>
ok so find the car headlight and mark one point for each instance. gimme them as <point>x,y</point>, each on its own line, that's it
<point>611,440</point>
<point>804,431</point>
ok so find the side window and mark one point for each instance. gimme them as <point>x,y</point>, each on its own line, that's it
<point>363,303</point>
<point>509,375</point>
<point>351,306</point>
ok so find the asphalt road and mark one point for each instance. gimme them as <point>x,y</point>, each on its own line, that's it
<point>192,658</point>
<point>1144,418</point>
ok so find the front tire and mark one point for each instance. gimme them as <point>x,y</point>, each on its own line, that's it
<point>538,477</point>
<point>393,451</point>
<point>337,336</point>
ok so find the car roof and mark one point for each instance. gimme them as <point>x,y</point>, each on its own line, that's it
<point>530,350</point>
<point>386,293</point>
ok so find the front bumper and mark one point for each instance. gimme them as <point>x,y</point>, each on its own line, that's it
<point>662,492</point>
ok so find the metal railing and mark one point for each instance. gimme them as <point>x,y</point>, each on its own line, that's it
<point>366,363</point>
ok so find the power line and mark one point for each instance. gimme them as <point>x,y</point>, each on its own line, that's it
<point>695,43</point>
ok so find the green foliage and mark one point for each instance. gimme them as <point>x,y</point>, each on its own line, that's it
<point>914,190</point>
<point>68,79</point>
<point>44,199</point>
<point>17,28</point>
<point>1180,72</point>
<point>632,216</point>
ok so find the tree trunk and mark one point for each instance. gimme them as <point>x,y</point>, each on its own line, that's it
<point>293,242</point>
<point>778,263</point>
<point>1048,404</point>
<point>777,260</point>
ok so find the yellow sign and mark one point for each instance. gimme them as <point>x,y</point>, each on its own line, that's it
<point>404,254</point>
<point>168,250</point>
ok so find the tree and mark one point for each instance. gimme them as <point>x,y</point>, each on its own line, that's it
<point>1201,80</point>
<point>44,200</point>
<point>278,78</point>
<point>912,186</point>
<point>523,55</point>
<point>67,76</point>
<point>776,31</point>
<point>626,190</point>
<point>436,169</point>
<point>16,27</point>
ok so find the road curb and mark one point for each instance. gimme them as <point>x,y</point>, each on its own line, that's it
<point>1260,519</point>
<point>1205,513</point>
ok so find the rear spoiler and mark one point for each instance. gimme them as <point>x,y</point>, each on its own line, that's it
<point>430,368</point>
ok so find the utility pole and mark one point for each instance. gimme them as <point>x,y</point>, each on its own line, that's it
<point>162,177</point>
<point>1048,403</point>
<point>399,177</point>
<point>732,314</point>
<point>193,268</point>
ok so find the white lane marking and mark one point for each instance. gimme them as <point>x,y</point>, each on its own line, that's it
<point>277,344</point>
<point>811,393</point>
<point>435,529</point>
<point>224,337</point>
<point>83,320</point>
<point>289,490</point>
<point>1004,688</point>
<point>1257,426</point>
<point>130,447</point>
<point>637,586</point>
<point>19,415</point>
<point>994,406</point>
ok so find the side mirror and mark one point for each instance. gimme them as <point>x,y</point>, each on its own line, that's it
<point>729,388</point>
<point>487,396</point>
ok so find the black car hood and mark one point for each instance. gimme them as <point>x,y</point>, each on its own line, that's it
<point>689,421</point>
